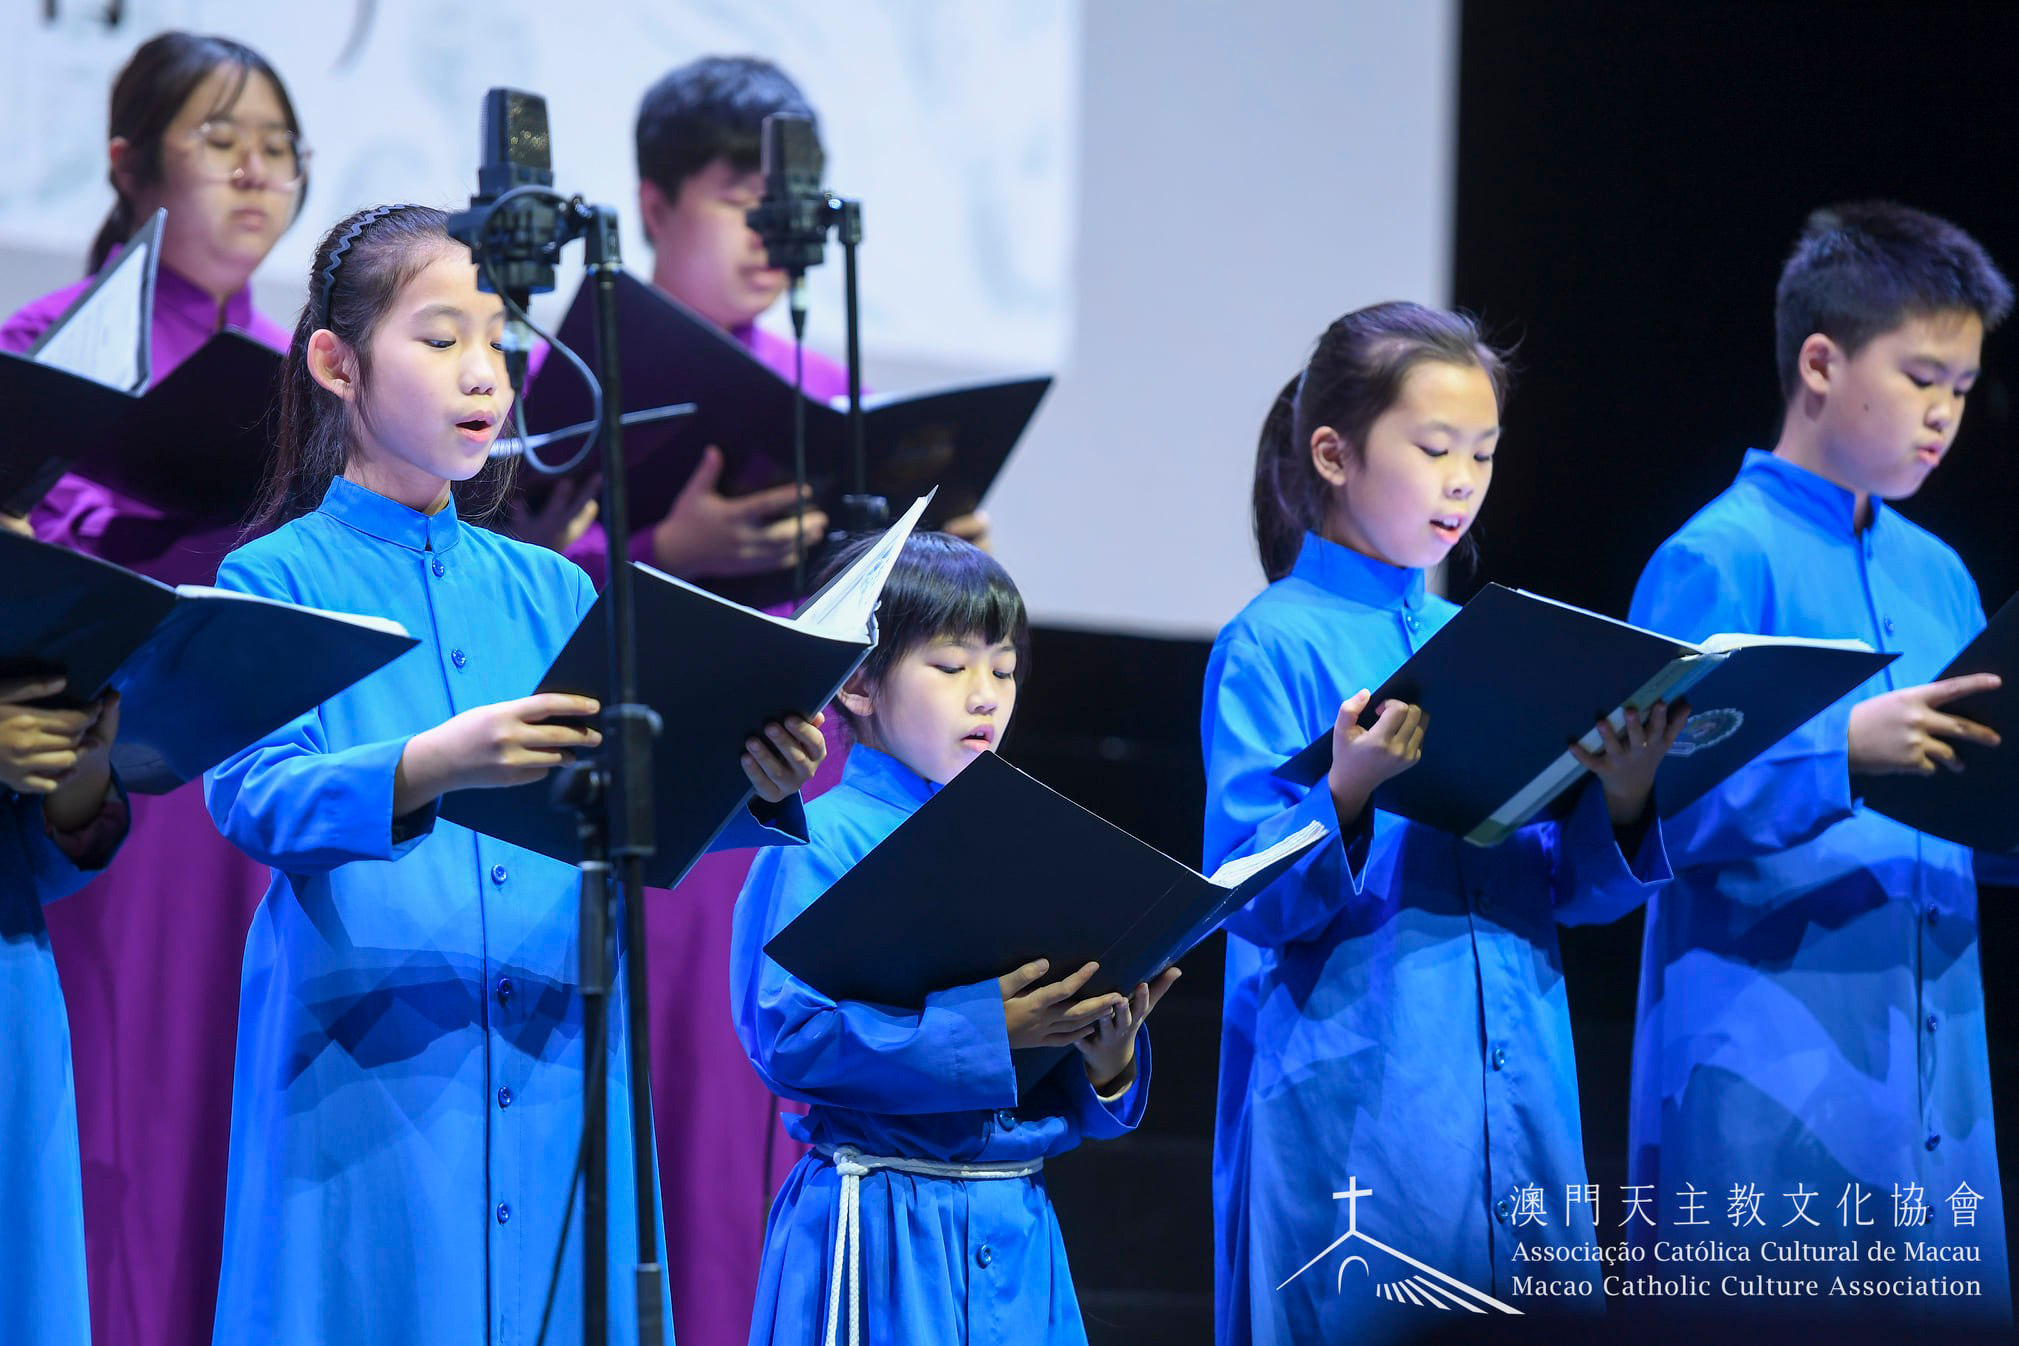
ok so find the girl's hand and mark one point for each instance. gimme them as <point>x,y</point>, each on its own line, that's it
<point>506,743</point>
<point>780,766</point>
<point>1627,760</point>
<point>1049,1015</point>
<point>39,747</point>
<point>1363,758</point>
<point>14,523</point>
<point>80,795</point>
<point>1110,1049</point>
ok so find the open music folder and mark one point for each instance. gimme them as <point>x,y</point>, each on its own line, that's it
<point>954,439</point>
<point>196,668</point>
<point>1034,876</point>
<point>194,445</point>
<point>1514,678</point>
<point>715,671</point>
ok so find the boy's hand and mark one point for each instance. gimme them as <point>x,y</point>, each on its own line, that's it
<point>972,528</point>
<point>783,765</point>
<point>561,520</point>
<point>1110,1049</point>
<point>1903,733</point>
<point>506,743</point>
<point>708,533</point>
<point>14,523</point>
<point>39,747</point>
<point>1050,1015</point>
<point>1363,758</point>
<point>1628,758</point>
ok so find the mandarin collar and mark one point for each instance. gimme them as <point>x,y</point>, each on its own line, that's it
<point>181,295</point>
<point>388,520</point>
<point>882,776</point>
<point>178,296</point>
<point>1346,572</point>
<point>1809,495</point>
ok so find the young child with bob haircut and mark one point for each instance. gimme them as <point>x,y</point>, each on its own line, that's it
<point>924,1158</point>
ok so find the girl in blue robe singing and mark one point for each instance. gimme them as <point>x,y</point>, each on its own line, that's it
<point>1396,1027</point>
<point>917,1129</point>
<point>407,1100</point>
<point>61,819</point>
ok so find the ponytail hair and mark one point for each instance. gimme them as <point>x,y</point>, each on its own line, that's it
<point>146,97</point>
<point>1354,376</point>
<point>359,269</point>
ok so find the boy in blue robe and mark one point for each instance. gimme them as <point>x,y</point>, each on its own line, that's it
<point>1810,1056</point>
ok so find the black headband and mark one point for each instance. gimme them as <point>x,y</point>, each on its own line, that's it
<point>342,246</point>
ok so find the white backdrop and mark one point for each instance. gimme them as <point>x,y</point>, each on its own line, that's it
<point>1163,200</point>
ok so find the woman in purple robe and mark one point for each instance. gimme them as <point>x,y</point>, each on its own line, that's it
<point>149,955</point>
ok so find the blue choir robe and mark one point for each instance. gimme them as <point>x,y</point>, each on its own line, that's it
<point>1811,1013</point>
<point>407,1099</point>
<point>977,1262</point>
<point>1396,1015</point>
<point>42,1295</point>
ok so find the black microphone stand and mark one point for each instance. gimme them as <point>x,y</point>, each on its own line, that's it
<point>611,793</point>
<point>860,509</point>
<point>794,228</point>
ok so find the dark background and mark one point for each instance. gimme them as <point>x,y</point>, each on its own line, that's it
<point>1629,179</point>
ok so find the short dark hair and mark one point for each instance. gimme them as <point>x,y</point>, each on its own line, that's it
<point>360,266</point>
<point>1355,374</point>
<point>710,109</point>
<point>152,87</point>
<point>941,586</point>
<point>1860,270</point>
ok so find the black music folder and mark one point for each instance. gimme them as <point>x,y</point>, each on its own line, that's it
<point>195,667</point>
<point>1978,806</point>
<point>995,870</point>
<point>955,440</point>
<point>195,445</point>
<point>715,671</point>
<point>1515,677</point>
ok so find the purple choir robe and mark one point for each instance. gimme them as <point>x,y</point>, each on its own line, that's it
<point>149,954</point>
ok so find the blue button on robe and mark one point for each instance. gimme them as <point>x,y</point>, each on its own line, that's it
<point>979,1262</point>
<point>1396,1016</point>
<point>42,1297</point>
<point>371,1161</point>
<point>1811,1011</point>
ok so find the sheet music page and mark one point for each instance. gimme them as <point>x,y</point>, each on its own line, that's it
<point>104,338</point>
<point>845,606</point>
<point>1237,871</point>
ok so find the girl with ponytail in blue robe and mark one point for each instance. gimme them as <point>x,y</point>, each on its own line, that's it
<point>407,1102</point>
<point>1396,1059</point>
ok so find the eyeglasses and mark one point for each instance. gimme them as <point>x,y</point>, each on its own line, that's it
<point>223,148</point>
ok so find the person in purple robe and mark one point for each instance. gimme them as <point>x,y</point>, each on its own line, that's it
<point>149,955</point>
<point>722,1150</point>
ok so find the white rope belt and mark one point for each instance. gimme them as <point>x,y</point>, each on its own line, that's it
<point>853,1166</point>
